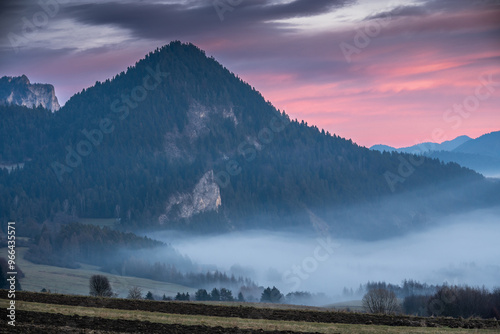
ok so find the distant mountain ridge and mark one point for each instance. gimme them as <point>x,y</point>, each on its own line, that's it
<point>481,154</point>
<point>421,148</point>
<point>487,145</point>
<point>19,91</point>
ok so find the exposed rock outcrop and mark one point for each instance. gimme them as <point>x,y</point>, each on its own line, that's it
<point>19,91</point>
<point>205,197</point>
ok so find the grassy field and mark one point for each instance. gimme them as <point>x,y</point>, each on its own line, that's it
<point>230,322</point>
<point>76,281</point>
<point>352,305</point>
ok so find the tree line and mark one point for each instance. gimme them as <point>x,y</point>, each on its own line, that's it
<point>100,286</point>
<point>456,301</point>
<point>451,301</point>
<point>66,245</point>
<point>120,253</point>
<point>163,272</point>
<point>415,298</point>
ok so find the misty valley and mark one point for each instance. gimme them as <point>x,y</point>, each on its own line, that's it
<point>308,267</point>
<point>196,189</point>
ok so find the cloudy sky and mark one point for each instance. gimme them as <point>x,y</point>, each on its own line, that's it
<point>377,71</point>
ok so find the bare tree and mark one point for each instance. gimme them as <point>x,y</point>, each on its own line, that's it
<point>134,293</point>
<point>100,287</point>
<point>380,301</point>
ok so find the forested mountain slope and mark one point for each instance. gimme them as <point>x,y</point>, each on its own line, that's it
<point>178,141</point>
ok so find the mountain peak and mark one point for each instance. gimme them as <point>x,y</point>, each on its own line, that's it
<point>20,91</point>
<point>21,80</point>
<point>24,79</point>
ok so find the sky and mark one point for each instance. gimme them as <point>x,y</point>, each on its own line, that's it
<point>377,72</point>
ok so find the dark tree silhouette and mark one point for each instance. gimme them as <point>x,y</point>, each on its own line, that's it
<point>271,295</point>
<point>226,295</point>
<point>215,295</point>
<point>182,296</point>
<point>149,296</point>
<point>202,295</point>
<point>100,287</point>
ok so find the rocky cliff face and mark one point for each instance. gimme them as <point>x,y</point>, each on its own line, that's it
<point>19,91</point>
<point>205,197</point>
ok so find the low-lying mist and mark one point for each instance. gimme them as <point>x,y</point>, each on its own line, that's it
<point>460,249</point>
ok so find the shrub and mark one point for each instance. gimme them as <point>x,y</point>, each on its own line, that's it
<point>134,293</point>
<point>380,301</point>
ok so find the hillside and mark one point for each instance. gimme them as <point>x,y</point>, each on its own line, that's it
<point>76,281</point>
<point>487,145</point>
<point>487,165</point>
<point>178,141</point>
<point>481,154</point>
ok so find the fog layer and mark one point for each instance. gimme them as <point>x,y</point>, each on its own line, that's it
<point>462,249</point>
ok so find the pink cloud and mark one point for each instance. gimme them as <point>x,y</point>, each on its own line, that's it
<point>398,88</point>
<point>394,91</point>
